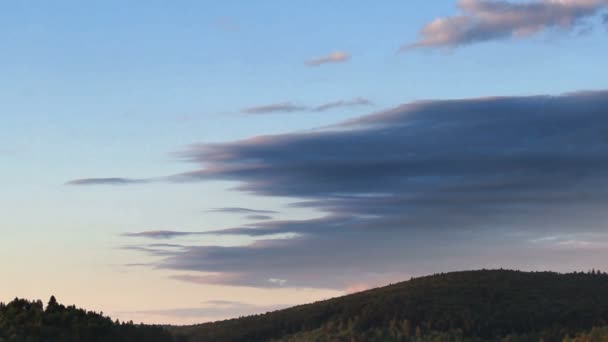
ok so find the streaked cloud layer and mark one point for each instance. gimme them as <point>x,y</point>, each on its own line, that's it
<point>485,20</point>
<point>455,183</point>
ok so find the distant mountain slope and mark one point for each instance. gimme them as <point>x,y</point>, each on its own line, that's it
<point>471,305</point>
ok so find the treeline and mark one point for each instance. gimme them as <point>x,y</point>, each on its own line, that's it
<point>29,321</point>
<point>485,305</point>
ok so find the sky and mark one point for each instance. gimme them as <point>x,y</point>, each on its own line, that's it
<point>186,161</point>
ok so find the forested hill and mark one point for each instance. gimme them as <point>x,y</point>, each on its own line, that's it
<point>484,305</point>
<point>29,321</point>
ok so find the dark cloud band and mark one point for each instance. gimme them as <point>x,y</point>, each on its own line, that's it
<point>427,186</point>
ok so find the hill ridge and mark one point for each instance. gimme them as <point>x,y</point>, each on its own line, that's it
<point>483,304</point>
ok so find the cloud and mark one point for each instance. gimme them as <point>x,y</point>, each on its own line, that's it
<point>359,101</point>
<point>161,234</point>
<point>259,217</point>
<point>605,19</point>
<point>277,281</point>
<point>239,210</point>
<point>274,108</point>
<point>335,57</point>
<point>167,245</point>
<point>252,214</point>
<point>597,241</point>
<point>105,181</point>
<point>156,251</point>
<point>232,278</point>
<point>486,20</point>
<point>287,107</point>
<point>430,186</point>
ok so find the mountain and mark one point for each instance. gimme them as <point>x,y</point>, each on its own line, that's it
<point>484,305</point>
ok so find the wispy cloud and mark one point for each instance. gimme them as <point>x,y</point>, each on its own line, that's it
<point>335,57</point>
<point>166,245</point>
<point>161,234</point>
<point>287,107</point>
<point>156,251</point>
<point>275,107</point>
<point>259,217</point>
<point>106,181</point>
<point>485,20</point>
<point>356,102</point>
<point>240,210</point>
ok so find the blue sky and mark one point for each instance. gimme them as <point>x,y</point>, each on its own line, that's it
<point>124,90</point>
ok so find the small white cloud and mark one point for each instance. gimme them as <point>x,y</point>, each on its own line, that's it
<point>277,281</point>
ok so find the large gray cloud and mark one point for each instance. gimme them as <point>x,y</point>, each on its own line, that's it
<point>484,20</point>
<point>429,186</point>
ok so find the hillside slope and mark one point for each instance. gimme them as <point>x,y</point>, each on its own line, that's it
<point>471,305</point>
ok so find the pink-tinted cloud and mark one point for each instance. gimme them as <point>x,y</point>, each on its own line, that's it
<point>335,57</point>
<point>485,20</point>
